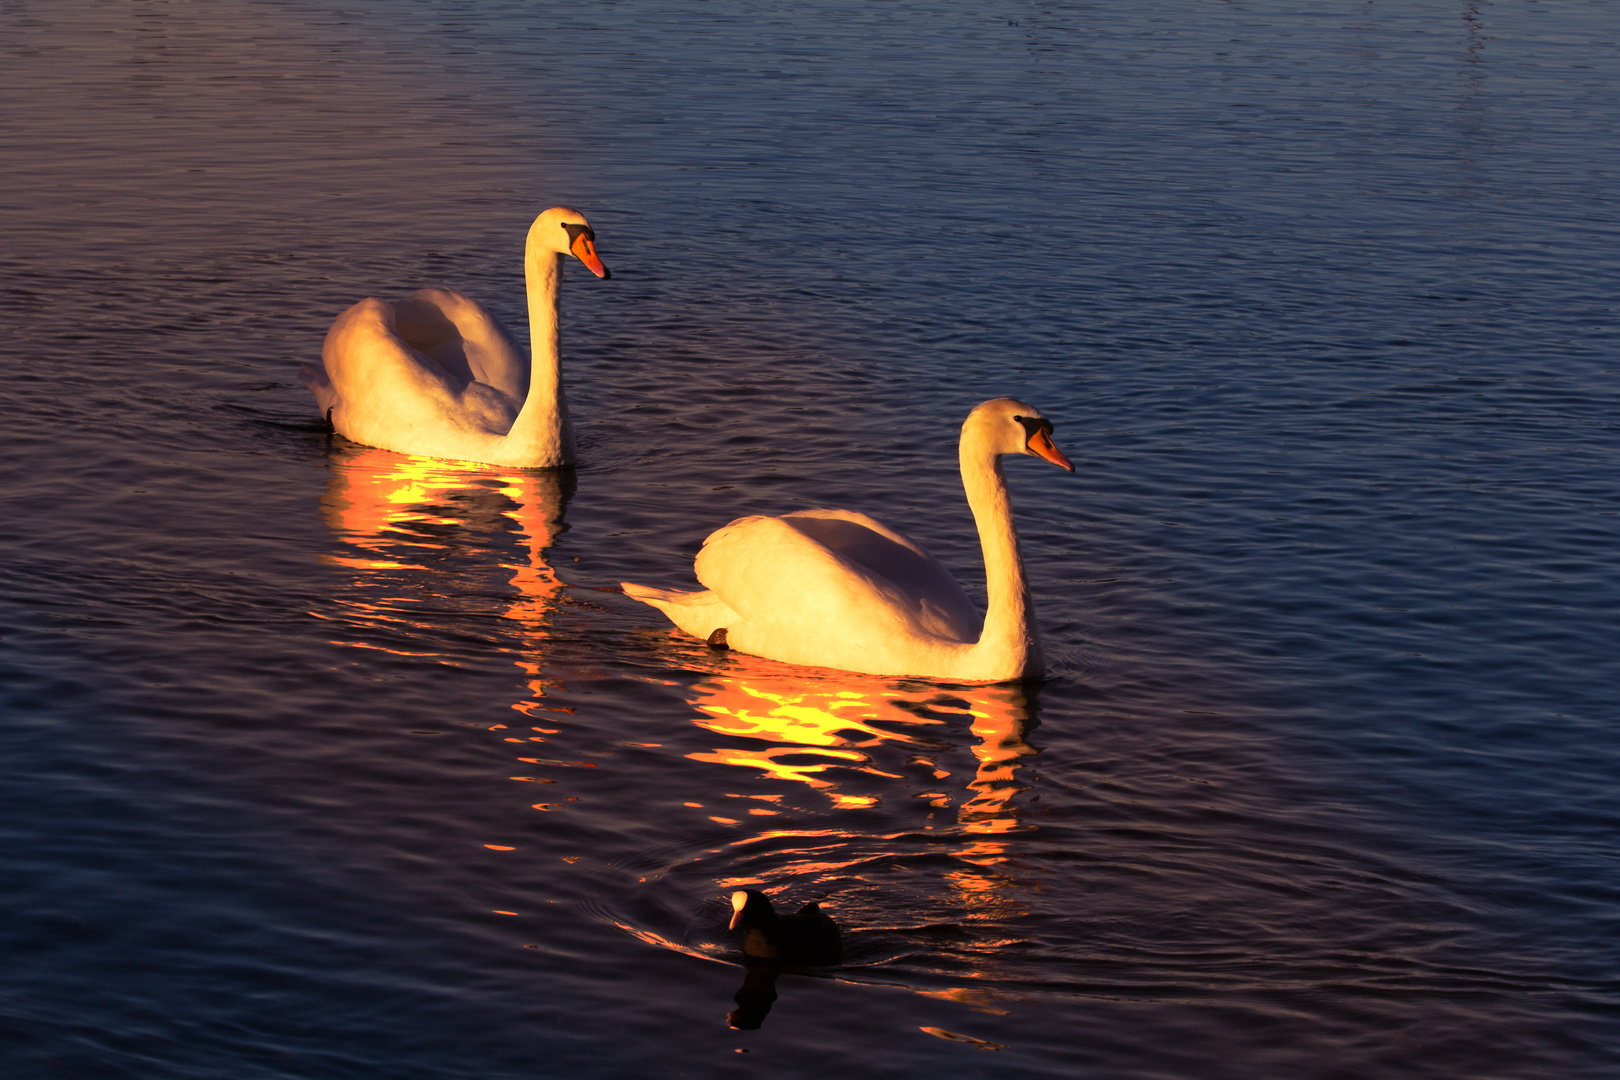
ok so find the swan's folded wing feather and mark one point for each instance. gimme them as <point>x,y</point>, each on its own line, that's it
<point>775,574</point>
<point>364,356</point>
<point>899,559</point>
<point>392,393</point>
<point>487,348</point>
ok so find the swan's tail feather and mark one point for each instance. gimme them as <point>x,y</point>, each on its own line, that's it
<point>649,595</point>
<point>698,613</point>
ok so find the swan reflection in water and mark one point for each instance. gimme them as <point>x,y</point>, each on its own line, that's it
<point>818,730</point>
<point>424,536</point>
<point>844,736</point>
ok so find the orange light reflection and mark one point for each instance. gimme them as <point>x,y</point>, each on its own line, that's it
<point>421,534</point>
<point>824,729</point>
<point>406,518</point>
<point>819,728</point>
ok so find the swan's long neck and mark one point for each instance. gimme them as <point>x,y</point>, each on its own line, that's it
<point>1009,646</point>
<point>542,430</point>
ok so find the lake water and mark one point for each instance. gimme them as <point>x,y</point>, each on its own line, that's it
<point>329,762</point>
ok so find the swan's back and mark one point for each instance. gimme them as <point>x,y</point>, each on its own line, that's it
<point>813,569</point>
<point>404,374</point>
<point>464,338</point>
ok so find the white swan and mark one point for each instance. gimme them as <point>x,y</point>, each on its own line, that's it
<point>837,589</point>
<point>436,374</point>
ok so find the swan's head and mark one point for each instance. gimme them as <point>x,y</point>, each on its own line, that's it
<point>1009,426</point>
<point>566,232</point>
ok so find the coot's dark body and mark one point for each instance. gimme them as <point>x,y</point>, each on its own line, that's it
<point>806,937</point>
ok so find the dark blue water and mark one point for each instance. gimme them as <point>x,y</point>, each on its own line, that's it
<point>330,762</point>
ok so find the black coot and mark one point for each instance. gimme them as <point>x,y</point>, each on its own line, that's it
<point>805,937</point>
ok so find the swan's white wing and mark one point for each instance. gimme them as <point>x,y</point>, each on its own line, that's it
<point>464,338</point>
<point>790,584</point>
<point>900,560</point>
<point>392,395</point>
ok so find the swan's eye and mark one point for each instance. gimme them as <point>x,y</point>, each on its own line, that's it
<point>1033,425</point>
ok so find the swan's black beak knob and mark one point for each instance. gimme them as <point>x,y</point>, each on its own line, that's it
<point>582,242</point>
<point>1039,441</point>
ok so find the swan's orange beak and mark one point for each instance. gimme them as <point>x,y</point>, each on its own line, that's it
<point>1040,444</point>
<point>584,250</point>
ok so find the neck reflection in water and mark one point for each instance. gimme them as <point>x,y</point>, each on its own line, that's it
<point>424,538</point>
<point>866,743</point>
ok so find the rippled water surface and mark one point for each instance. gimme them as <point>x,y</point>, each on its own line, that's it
<point>324,761</point>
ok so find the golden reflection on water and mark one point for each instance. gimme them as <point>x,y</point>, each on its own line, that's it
<point>822,730</point>
<point>426,541</point>
<point>818,729</point>
<point>860,743</point>
<point>407,521</point>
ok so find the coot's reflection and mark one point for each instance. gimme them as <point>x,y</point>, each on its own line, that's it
<point>756,995</point>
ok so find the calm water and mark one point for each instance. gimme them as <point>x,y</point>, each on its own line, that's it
<point>329,762</point>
